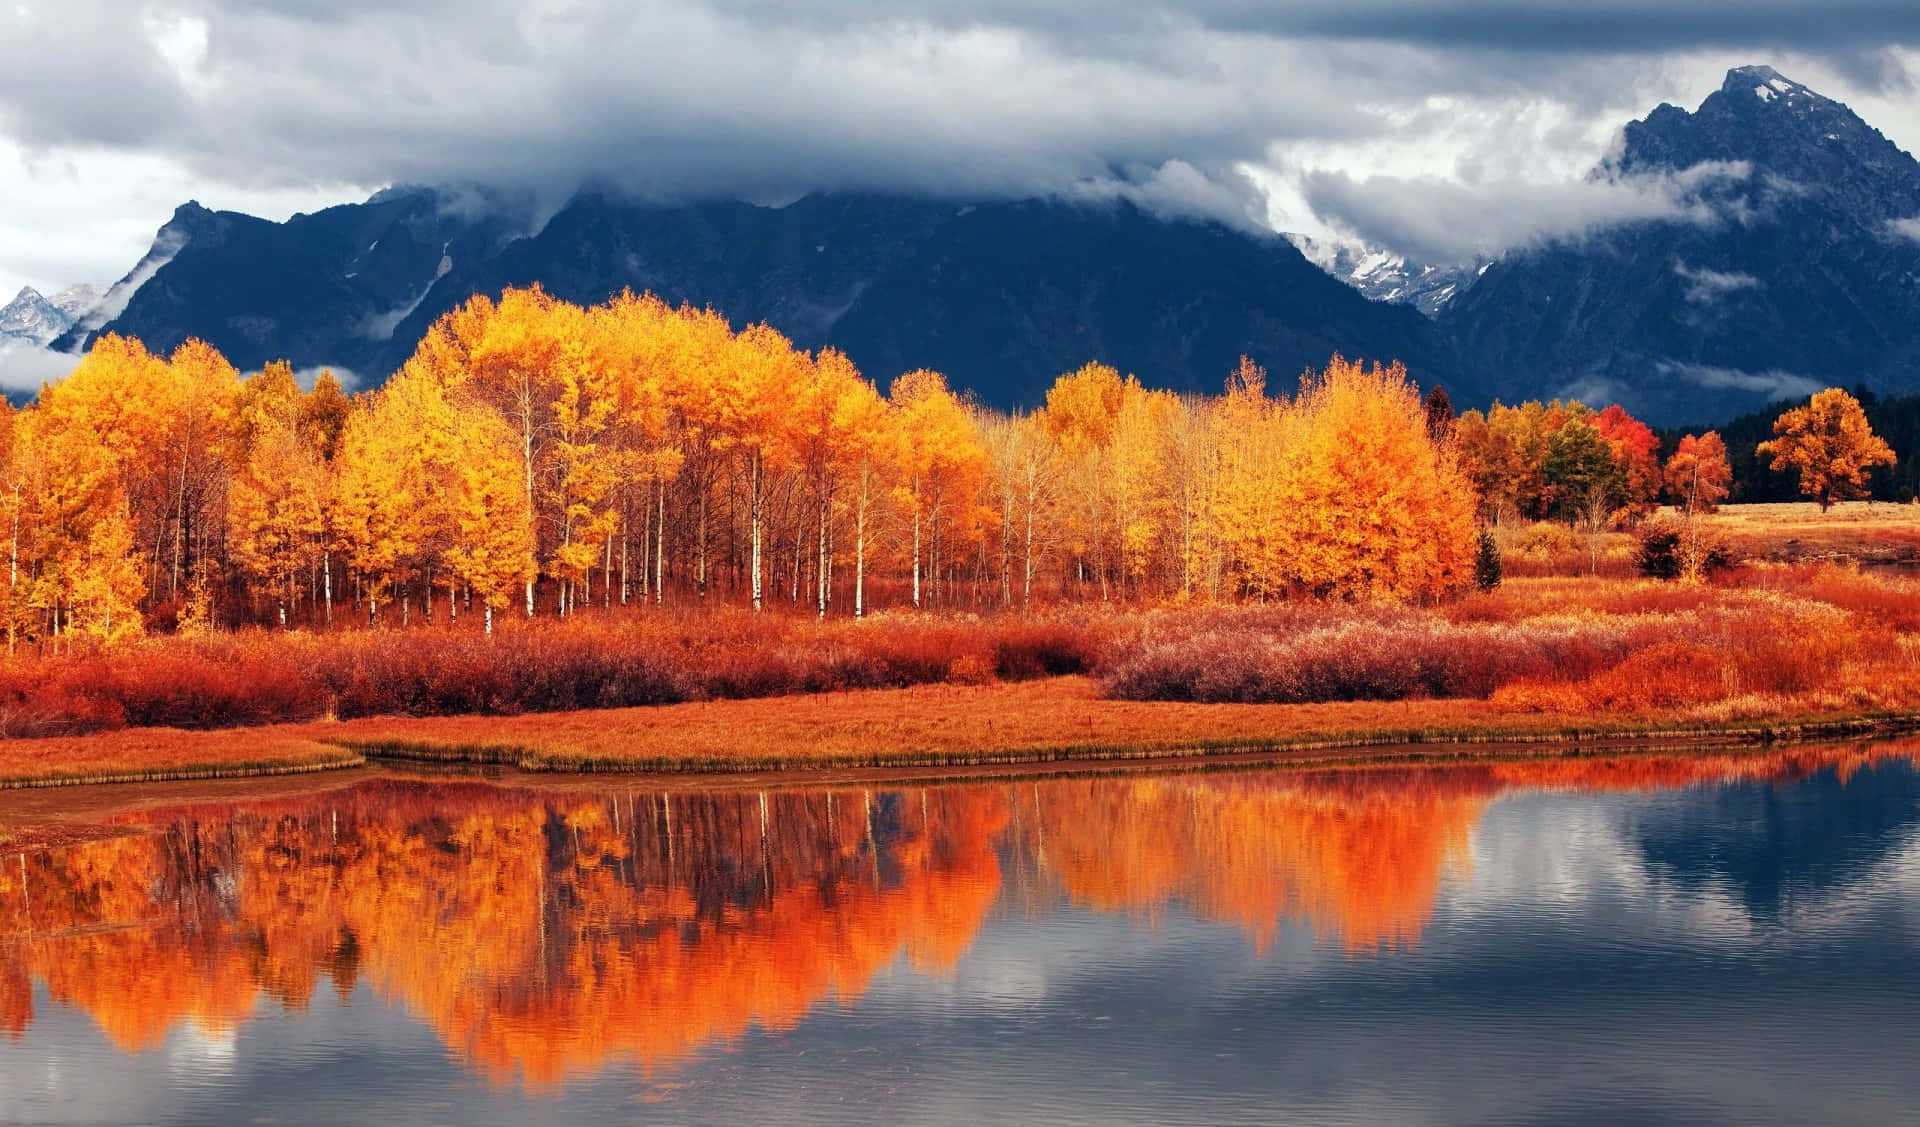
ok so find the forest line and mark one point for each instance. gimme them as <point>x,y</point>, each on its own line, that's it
<point>538,456</point>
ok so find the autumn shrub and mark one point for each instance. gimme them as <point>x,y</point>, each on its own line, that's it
<point>610,661</point>
<point>1674,549</point>
<point>1372,655</point>
<point>1531,646</point>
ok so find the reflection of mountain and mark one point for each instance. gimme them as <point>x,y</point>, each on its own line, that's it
<point>544,935</point>
<point>1792,843</point>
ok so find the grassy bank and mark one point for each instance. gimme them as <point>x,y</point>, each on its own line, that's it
<point>1063,718</point>
<point>1045,721</point>
<point>144,755</point>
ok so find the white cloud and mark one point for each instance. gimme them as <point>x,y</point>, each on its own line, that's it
<point>1705,286</point>
<point>108,118</point>
<point>1773,383</point>
<point>1439,220</point>
<point>24,367</point>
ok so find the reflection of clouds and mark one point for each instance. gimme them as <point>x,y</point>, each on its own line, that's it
<point>1561,974</point>
<point>1568,861</point>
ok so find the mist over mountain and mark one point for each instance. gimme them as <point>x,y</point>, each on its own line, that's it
<point>1788,260</point>
<point>1799,268</point>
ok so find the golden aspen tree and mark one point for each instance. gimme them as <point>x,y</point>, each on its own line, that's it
<point>1142,502</point>
<point>71,499</point>
<point>504,355</point>
<point>1246,498</point>
<point>202,390</point>
<point>493,545</point>
<point>16,452</point>
<point>1003,437</point>
<point>587,468</point>
<point>761,373</point>
<point>394,473</point>
<point>1830,445</point>
<point>942,466</point>
<point>1191,453</point>
<point>107,586</point>
<point>633,340</point>
<point>1081,414</point>
<point>1037,474</point>
<point>277,499</point>
<point>701,348</point>
<point>839,436</point>
<point>1374,506</point>
<point>114,406</point>
<point>870,456</point>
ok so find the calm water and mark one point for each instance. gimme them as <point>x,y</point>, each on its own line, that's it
<point>1708,940</point>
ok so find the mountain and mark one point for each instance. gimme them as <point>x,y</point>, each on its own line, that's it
<point>1383,275</point>
<point>77,301</point>
<point>317,289</point>
<point>34,319</point>
<point>1002,296</point>
<point>1793,263</point>
<point>31,317</point>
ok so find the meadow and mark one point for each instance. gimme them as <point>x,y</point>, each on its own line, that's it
<point>1764,650</point>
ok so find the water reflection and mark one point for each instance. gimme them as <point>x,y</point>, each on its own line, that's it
<point>546,935</point>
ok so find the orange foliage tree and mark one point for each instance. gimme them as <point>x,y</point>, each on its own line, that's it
<point>1829,444</point>
<point>1697,474</point>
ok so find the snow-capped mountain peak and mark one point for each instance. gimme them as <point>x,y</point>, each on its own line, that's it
<point>31,317</point>
<point>1382,275</point>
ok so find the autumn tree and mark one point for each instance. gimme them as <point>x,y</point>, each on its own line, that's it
<point>1636,459</point>
<point>942,466</point>
<point>493,544</point>
<point>281,489</point>
<point>1372,506</point>
<point>1697,475</point>
<point>1830,445</point>
<point>1246,501</point>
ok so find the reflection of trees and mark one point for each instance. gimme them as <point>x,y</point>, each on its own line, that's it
<point>544,935</point>
<point>541,937</point>
<point>1359,854</point>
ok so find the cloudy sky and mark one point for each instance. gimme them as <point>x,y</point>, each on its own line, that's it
<point>1445,127</point>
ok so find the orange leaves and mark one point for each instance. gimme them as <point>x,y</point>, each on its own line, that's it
<point>1697,476</point>
<point>1829,444</point>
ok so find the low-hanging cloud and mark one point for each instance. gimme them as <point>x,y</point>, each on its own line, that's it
<point>1706,286</point>
<point>1447,221</point>
<point>25,366</point>
<point>1169,106</point>
<point>1773,382</point>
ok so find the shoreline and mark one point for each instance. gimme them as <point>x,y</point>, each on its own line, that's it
<point>997,729</point>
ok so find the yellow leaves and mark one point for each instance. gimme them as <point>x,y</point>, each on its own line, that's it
<point>1342,492</point>
<point>493,544</point>
<point>107,586</point>
<point>1829,444</point>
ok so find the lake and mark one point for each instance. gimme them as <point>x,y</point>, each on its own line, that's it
<point>1713,938</point>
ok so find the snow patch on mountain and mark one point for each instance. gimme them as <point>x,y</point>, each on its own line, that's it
<point>78,300</point>
<point>31,317</point>
<point>381,326</point>
<point>1382,275</point>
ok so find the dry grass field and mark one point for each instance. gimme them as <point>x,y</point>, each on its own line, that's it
<point>1859,531</point>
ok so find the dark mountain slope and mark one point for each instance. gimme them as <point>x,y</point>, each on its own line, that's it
<point>1001,296</point>
<point>1790,271</point>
